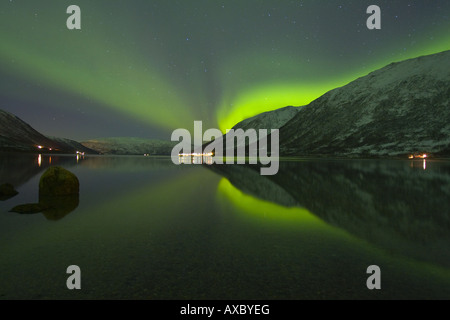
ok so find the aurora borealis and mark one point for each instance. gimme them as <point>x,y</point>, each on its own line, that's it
<point>144,68</point>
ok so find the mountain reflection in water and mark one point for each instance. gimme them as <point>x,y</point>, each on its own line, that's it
<point>144,228</point>
<point>396,205</point>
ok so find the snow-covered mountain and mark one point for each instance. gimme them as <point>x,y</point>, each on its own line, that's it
<point>269,120</point>
<point>130,146</point>
<point>17,135</point>
<point>400,109</point>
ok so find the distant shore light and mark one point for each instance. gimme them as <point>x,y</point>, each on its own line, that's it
<point>196,154</point>
<point>418,156</point>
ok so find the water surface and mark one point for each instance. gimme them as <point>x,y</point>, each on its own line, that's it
<point>147,229</point>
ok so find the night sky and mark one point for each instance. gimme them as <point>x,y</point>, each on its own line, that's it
<point>144,68</point>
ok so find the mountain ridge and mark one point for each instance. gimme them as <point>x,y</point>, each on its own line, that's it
<point>130,146</point>
<point>386,113</point>
<point>18,136</point>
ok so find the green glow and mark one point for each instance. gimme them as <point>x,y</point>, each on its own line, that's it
<point>272,215</point>
<point>137,204</point>
<point>297,83</point>
<point>132,93</point>
<point>82,64</point>
<point>266,98</point>
<point>270,211</point>
<point>169,82</point>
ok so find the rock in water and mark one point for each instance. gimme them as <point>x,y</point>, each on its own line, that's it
<point>29,208</point>
<point>52,207</point>
<point>7,191</point>
<point>57,181</point>
<point>58,195</point>
<point>57,207</point>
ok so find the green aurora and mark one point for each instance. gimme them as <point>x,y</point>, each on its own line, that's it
<point>168,63</point>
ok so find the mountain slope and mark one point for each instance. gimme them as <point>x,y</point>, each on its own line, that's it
<point>73,145</point>
<point>17,135</point>
<point>130,146</point>
<point>269,120</point>
<point>400,109</point>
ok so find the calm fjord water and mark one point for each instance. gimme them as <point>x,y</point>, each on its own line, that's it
<point>147,229</point>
